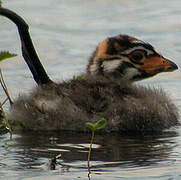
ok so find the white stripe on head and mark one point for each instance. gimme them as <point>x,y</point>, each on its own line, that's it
<point>137,41</point>
<point>110,66</point>
<point>128,51</point>
<point>129,73</point>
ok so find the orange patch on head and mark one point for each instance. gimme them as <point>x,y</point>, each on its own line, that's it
<point>102,48</point>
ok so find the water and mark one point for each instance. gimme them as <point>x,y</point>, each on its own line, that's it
<point>113,156</point>
<point>65,33</point>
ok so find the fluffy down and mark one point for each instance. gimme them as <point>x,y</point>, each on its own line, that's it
<point>69,105</point>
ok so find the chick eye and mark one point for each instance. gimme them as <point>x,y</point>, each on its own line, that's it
<point>137,56</point>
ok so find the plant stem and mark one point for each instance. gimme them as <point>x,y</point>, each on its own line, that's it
<point>1,104</point>
<point>3,84</point>
<point>90,148</point>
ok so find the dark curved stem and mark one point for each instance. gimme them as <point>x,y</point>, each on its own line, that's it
<point>28,50</point>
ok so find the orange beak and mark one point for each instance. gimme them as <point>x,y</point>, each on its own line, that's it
<point>156,64</point>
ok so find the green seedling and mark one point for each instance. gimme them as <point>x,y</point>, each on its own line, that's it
<point>94,127</point>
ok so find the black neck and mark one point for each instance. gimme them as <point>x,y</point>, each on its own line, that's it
<point>28,50</point>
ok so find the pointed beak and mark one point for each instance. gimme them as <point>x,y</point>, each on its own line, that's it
<point>157,64</point>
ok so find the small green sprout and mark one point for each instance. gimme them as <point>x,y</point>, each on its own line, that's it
<point>94,127</point>
<point>98,125</point>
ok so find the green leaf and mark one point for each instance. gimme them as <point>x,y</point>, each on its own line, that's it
<point>0,3</point>
<point>91,126</point>
<point>5,55</point>
<point>100,124</point>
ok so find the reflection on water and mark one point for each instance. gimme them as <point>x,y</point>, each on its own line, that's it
<point>65,33</point>
<point>29,152</point>
<point>110,148</point>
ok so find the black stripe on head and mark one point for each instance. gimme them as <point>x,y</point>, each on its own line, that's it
<point>111,49</point>
<point>141,76</point>
<point>123,69</point>
<point>123,42</point>
<point>145,45</point>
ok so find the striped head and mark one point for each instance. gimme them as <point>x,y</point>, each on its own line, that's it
<point>126,57</point>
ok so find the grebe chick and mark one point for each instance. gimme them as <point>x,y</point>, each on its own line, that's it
<point>106,90</point>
